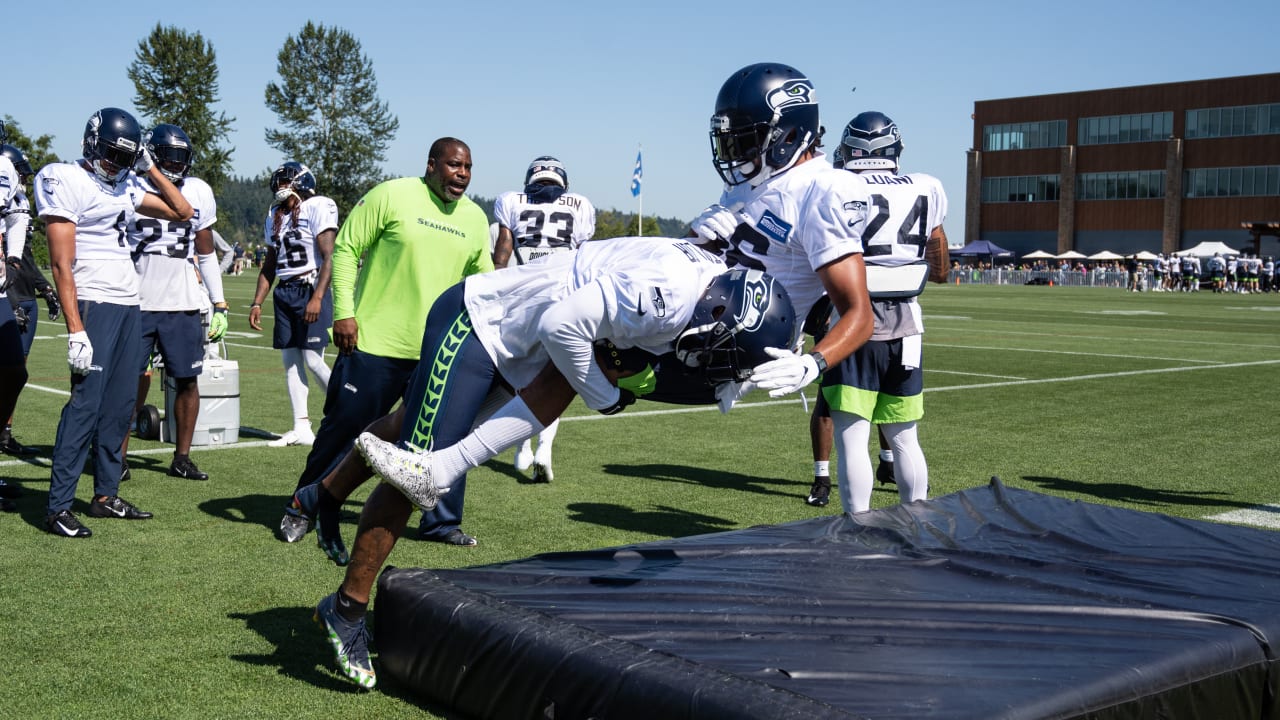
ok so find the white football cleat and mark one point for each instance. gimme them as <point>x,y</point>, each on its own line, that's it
<point>524,456</point>
<point>293,437</point>
<point>408,471</point>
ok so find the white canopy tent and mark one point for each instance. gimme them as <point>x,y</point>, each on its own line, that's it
<point>1208,249</point>
<point>1037,255</point>
<point>1070,255</point>
<point>1145,255</point>
<point>1105,255</point>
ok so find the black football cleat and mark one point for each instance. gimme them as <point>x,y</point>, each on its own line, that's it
<point>116,507</point>
<point>820,491</point>
<point>66,524</point>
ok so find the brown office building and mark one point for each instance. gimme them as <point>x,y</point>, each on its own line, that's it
<point>1155,167</point>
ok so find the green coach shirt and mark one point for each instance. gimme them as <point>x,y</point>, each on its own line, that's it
<point>415,246</point>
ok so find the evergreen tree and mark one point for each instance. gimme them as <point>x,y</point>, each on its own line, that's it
<point>331,118</point>
<point>175,75</point>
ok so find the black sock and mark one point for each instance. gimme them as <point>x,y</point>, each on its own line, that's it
<point>327,513</point>
<point>349,609</point>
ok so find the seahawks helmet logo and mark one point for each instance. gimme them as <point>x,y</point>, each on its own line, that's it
<point>791,92</point>
<point>755,301</point>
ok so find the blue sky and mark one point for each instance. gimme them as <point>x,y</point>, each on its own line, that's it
<point>590,82</point>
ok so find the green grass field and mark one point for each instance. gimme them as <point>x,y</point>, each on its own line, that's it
<point>1155,402</point>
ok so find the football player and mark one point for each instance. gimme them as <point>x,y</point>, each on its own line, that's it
<point>87,207</point>
<point>167,256</point>
<point>883,384</point>
<point>299,233</point>
<point>543,219</point>
<point>13,367</point>
<point>24,280</point>
<point>569,325</point>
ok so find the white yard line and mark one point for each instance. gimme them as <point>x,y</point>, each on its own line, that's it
<point>1267,516</point>
<point>1073,352</point>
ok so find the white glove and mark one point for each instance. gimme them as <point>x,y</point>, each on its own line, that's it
<point>731,392</point>
<point>717,222</point>
<point>788,374</point>
<point>144,163</point>
<point>79,352</point>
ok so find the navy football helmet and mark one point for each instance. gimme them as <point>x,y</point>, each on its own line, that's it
<point>766,116</point>
<point>546,168</point>
<point>292,176</point>
<point>111,144</point>
<point>19,161</point>
<point>871,141</point>
<point>171,149</point>
<point>741,313</point>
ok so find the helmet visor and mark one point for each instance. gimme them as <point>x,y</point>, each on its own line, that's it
<point>172,159</point>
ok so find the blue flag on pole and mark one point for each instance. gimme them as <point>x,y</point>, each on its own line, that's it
<point>636,175</point>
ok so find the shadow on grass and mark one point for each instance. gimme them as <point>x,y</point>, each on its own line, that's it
<point>708,477</point>
<point>302,653</point>
<point>667,521</point>
<point>264,510</point>
<point>301,650</point>
<point>1136,494</point>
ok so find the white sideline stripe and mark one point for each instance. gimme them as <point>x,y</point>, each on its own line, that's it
<point>979,386</point>
<point>1267,516</point>
<point>957,372</point>
<point>1074,352</point>
<point>1107,338</point>
<point>42,388</point>
<point>45,461</point>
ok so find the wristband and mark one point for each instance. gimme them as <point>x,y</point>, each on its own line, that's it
<point>255,305</point>
<point>820,361</point>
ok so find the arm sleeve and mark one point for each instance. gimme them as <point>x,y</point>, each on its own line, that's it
<point>212,275</point>
<point>567,331</point>
<point>15,232</point>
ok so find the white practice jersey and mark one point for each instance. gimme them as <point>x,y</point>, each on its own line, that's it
<point>103,268</point>
<point>296,253</point>
<point>164,253</point>
<point>540,229</point>
<point>795,223</point>
<point>15,224</point>
<point>904,211</point>
<point>636,292</point>
<point>10,183</point>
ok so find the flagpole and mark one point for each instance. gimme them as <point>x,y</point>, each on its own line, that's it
<point>640,198</point>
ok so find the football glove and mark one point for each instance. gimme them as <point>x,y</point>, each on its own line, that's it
<point>20,314</point>
<point>788,373</point>
<point>730,393</point>
<point>717,222</point>
<point>625,398</point>
<point>218,324</point>
<point>79,352</point>
<point>51,301</point>
<point>144,163</point>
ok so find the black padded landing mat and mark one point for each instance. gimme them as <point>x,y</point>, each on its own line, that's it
<point>988,603</point>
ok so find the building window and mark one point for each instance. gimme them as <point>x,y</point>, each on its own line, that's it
<point>1234,121</point>
<point>1143,127</point>
<point>1133,185</point>
<point>1027,188</point>
<point>1024,136</point>
<point>1257,181</point>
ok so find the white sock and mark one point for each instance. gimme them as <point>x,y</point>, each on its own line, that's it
<point>295,380</point>
<point>315,363</point>
<point>911,471</point>
<point>510,425</point>
<point>886,454</point>
<point>545,440</point>
<point>853,471</point>
<point>821,468</point>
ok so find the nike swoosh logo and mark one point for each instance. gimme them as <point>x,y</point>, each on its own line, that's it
<point>640,305</point>
<point>113,511</point>
<point>66,530</point>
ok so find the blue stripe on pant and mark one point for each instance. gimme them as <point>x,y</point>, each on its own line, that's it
<point>101,403</point>
<point>453,378</point>
<point>363,388</point>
